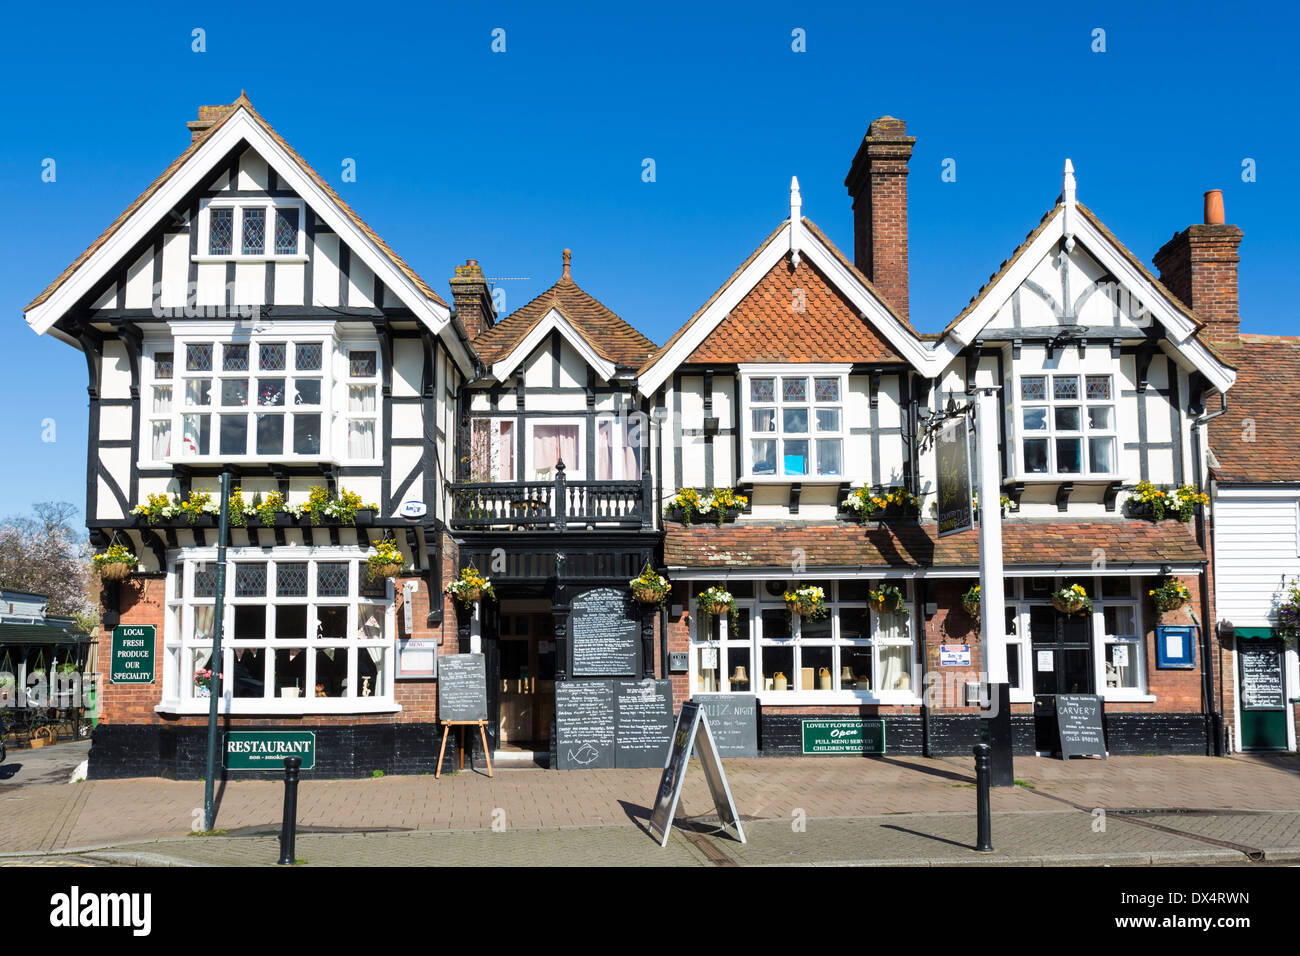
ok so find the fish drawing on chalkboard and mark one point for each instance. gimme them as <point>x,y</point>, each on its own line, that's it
<point>584,755</point>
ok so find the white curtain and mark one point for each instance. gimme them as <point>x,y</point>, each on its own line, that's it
<point>553,443</point>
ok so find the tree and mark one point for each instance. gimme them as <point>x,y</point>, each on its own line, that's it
<point>45,554</point>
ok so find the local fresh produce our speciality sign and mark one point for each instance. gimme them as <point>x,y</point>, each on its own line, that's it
<point>132,654</point>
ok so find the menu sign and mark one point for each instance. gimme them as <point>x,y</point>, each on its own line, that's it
<point>687,738</point>
<point>643,726</point>
<point>605,635</point>
<point>1078,720</point>
<point>1261,676</point>
<point>584,724</point>
<point>462,687</point>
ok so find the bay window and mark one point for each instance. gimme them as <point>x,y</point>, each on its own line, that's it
<point>795,421</point>
<point>1067,424</point>
<point>303,632</point>
<point>762,648</point>
<point>363,409</point>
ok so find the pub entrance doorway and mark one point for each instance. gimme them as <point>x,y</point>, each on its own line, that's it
<point>523,677</point>
<point>1062,663</point>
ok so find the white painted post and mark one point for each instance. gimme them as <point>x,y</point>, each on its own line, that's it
<point>993,615</point>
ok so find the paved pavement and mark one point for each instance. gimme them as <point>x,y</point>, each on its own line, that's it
<point>44,764</point>
<point>796,811</point>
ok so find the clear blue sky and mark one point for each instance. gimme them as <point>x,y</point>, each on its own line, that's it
<point>510,157</point>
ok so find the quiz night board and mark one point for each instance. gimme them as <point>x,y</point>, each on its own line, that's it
<point>462,687</point>
<point>604,634</point>
<point>733,718</point>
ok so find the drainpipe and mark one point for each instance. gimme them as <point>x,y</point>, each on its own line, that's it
<point>1203,535</point>
<point>921,597</point>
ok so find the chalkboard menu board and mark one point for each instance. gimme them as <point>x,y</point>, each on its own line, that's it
<point>584,724</point>
<point>1078,720</point>
<point>601,724</point>
<point>605,634</point>
<point>1261,676</point>
<point>462,687</point>
<point>643,722</point>
<point>733,718</point>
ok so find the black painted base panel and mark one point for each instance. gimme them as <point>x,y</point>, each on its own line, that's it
<point>780,735</point>
<point>180,753</point>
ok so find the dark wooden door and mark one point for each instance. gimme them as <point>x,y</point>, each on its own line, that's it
<point>1062,663</point>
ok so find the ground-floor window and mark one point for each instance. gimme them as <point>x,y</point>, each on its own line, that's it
<point>763,648</point>
<point>304,629</point>
<point>1117,634</point>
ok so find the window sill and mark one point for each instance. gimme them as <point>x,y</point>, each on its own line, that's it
<point>1127,697</point>
<point>799,480</point>
<point>788,698</point>
<point>295,706</point>
<point>210,259</point>
<point>244,460</point>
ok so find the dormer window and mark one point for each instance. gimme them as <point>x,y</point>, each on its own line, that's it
<point>1068,425</point>
<point>251,229</point>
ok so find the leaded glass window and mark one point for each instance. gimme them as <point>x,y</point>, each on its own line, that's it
<point>198,358</point>
<point>271,357</point>
<point>234,357</point>
<point>286,232</point>
<point>221,229</point>
<point>308,357</point>
<point>254,231</point>
<point>799,432</point>
<point>205,579</point>
<point>291,579</point>
<point>332,579</point>
<point>762,390</point>
<point>1071,433</point>
<point>361,364</point>
<point>162,365</point>
<point>250,579</point>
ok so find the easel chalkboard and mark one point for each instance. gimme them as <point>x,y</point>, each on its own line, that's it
<point>446,729</point>
<point>686,738</point>
<point>462,688</point>
<point>1078,721</point>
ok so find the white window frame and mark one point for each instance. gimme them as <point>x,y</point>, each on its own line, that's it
<point>150,417</point>
<point>346,416</point>
<point>496,423</point>
<point>178,687</point>
<point>1051,433</point>
<point>573,470</point>
<point>748,373</point>
<point>1018,596</point>
<point>796,696</point>
<point>621,425</point>
<point>269,204</point>
<point>331,419</point>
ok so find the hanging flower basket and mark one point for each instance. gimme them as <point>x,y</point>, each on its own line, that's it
<point>887,599</point>
<point>970,602</point>
<point>808,601</point>
<point>115,564</point>
<point>1072,600</point>
<point>471,587</point>
<point>386,562</point>
<point>714,601</point>
<point>649,587</point>
<point>1170,595</point>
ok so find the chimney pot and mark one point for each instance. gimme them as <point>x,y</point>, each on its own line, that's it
<point>1214,208</point>
<point>565,274</point>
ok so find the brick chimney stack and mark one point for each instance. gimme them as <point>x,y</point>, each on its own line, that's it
<point>209,116</point>
<point>1199,265</point>
<point>877,181</point>
<point>472,299</point>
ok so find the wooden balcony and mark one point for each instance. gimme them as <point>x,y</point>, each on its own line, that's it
<point>554,505</point>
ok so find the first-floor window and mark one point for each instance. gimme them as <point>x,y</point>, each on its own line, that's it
<point>492,449</point>
<point>552,444</point>
<point>763,648</point>
<point>298,629</point>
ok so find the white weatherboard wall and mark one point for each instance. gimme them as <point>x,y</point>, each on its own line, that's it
<point>1256,551</point>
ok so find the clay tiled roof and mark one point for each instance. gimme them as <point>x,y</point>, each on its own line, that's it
<point>180,161</point>
<point>840,544</point>
<point>760,328</point>
<point>611,338</point>
<point>1264,406</point>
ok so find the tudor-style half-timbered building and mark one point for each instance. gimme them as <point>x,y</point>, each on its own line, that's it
<point>802,386</point>
<point>240,316</point>
<point>553,494</point>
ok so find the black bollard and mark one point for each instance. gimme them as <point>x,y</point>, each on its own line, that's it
<point>289,826</point>
<point>983,770</point>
